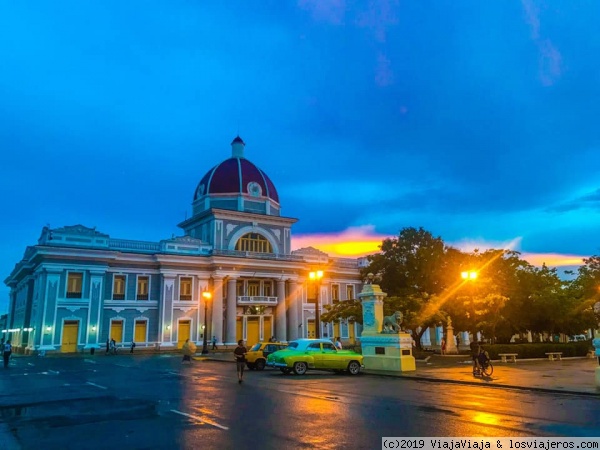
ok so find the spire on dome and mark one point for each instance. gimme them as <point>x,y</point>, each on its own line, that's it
<point>237,147</point>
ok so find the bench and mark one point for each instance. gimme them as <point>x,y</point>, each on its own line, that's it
<point>554,355</point>
<point>505,356</point>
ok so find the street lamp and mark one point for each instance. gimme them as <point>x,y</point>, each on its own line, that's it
<point>469,275</point>
<point>316,276</point>
<point>207,296</point>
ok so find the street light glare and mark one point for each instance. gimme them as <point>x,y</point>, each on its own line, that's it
<point>469,275</point>
<point>207,295</point>
<point>315,275</point>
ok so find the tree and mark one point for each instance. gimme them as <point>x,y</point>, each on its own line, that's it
<point>583,294</point>
<point>415,271</point>
<point>346,310</point>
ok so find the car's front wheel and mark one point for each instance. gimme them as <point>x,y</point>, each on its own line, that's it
<point>259,364</point>
<point>353,368</point>
<point>300,368</point>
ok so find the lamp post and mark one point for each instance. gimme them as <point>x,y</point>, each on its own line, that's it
<point>316,276</point>
<point>207,296</point>
<point>469,275</point>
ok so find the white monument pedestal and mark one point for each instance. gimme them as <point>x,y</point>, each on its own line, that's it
<point>386,353</point>
<point>450,342</point>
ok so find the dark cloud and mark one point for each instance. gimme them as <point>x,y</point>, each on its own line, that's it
<point>589,201</point>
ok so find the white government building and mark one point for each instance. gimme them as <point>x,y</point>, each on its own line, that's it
<point>78,287</point>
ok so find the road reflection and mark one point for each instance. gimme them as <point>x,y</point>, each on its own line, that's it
<point>320,422</point>
<point>485,418</point>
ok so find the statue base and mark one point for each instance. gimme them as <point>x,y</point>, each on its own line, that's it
<point>387,353</point>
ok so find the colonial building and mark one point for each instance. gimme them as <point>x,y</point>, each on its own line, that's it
<point>79,287</point>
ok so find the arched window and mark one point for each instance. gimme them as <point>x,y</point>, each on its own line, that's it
<point>253,242</point>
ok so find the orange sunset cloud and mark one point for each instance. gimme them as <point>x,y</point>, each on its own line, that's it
<point>362,241</point>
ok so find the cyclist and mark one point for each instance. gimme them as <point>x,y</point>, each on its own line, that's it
<point>483,358</point>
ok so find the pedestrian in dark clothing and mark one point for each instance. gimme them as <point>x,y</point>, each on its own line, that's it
<point>132,347</point>
<point>214,343</point>
<point>240,357</point>
<point>107,345</point>
<point>6,352</point>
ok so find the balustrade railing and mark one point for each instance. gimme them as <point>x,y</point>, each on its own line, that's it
<point>256,255</point>
<point>256,300</point>
<point>125,244</point>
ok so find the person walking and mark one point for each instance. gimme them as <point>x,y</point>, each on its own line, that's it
<point>107,345</point>
<point>240,358</point>
<point>6,352</point>
<point>214,343</point>
<point>113,346</point>
<point>188,350</point>
<point>443,346</point>
<point>132,346</point>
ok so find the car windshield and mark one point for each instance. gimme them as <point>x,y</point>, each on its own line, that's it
<point>255,347</point>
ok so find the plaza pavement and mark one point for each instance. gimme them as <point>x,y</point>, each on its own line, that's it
<point>570,375</point>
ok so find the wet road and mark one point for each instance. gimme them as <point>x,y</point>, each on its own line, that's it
<point>155,402</point>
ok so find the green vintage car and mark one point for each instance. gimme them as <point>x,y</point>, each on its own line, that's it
<point>304,354</point>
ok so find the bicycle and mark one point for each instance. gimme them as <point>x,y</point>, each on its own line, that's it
<point>485,368</point>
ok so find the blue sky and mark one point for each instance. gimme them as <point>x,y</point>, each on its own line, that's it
<point>476,120</point>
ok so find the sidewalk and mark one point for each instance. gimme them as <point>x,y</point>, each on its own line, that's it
<point>571,375</point>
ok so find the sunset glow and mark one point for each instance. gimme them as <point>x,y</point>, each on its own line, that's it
<point>363,241</point>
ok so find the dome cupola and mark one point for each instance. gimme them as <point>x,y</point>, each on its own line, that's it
<point>237,184</point>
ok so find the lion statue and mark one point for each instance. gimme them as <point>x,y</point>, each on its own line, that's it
<point>391,324</point>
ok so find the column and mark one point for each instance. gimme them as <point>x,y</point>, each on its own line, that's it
<point>230,338</point>
<point>216,328</point>
<point>465,338</point>
<point>280,311</point>
<point>371,299</point>
<point>165,312</point>
<point>426,338</point>
<point>48,331</point>
<point>95,308</point>
<point>439,333</point>
<point>292,307</point>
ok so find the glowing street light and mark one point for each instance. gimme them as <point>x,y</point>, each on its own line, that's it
<point>316,276</point>
<point>469,275</point>
<point>207,296</point>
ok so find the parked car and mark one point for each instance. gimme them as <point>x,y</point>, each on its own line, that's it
<point>256,357</point>
<point>578,338</point>
<point>321,354</point>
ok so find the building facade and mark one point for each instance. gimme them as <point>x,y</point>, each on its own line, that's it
<point>78,287</point>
